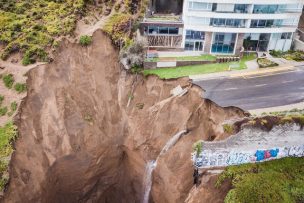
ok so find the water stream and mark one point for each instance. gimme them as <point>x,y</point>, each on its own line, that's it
<point>151,165</point>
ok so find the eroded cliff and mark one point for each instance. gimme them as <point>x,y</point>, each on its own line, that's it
<point>79,141</point>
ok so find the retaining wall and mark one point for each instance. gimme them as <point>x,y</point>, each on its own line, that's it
<point>164,64</point>
<point>251,146</point>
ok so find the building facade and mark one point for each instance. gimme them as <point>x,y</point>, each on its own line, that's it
<point>227,26</point>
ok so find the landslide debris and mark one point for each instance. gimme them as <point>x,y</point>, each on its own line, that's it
<point>79,142</point>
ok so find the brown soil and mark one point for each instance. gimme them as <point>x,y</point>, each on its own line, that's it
<point>208,192</point>
<point>79,142</point>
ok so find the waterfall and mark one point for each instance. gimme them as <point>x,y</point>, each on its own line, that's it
<point>151,165</point>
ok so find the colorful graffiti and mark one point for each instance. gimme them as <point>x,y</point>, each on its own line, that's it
<point>223,157</point>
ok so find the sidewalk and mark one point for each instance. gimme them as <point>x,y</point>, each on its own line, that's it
<point>259,112</point>
<point>247,72</point>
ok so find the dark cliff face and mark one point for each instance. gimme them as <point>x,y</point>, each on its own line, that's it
<point>79,142</point>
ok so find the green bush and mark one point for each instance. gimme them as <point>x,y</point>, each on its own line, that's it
<point>3,111</point>
<point>1,99</point>
<point>33,54</point>
<point>20,87</point>
<point>8,80</point>
<point>14,106</point>
<point>85,40</point>
<point>275,53</point>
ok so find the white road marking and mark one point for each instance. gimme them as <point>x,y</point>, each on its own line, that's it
<point>232,88</point>
<point>287,81</point>
<point>260,85</point>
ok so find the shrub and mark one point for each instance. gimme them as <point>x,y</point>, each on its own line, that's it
<point>275,53</point>
<point>85,40</point>
<point>14,106</point>
<point>20,87</point>
<point>228,128</point>
<point>1,99</point>
<point>3,111</point>
<point>265,63</point>
<point>133,55</point>
<point>198,147</point>
<point>33,54</point>
<point>26,60</point>
<point>8,80</point>
<point>118,27</point>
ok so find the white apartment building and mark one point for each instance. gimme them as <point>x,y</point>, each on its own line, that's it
<point>225,26</point>
<point>222,26</point>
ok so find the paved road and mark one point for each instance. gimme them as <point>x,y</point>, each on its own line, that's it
<point>254,92</point>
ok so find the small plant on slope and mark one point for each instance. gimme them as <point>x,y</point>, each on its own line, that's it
<point>198,148</point>
<point>85,40</point>
<point>20,87</point>
<point>8,80</point>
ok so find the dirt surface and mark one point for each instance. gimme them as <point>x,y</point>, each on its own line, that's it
<point>208,192</point>
<point>79,142</point>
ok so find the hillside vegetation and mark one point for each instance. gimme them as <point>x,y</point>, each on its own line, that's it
<point>8,134</point>
<point>277,181</point>
<point>32,26</point>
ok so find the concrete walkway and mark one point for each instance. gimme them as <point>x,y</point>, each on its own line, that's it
<point>252,65</point>
<point>290,107</point>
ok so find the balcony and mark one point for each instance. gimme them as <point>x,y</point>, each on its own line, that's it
<point>234,23</point>
<point>270,24</point>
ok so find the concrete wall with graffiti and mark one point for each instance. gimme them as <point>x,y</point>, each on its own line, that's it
<point>250,146</point>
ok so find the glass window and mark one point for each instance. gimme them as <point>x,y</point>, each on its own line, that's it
<point>240,8</point>
<point>163,30</point>
<point>193,5</point>
<point>227,22</point>
<point>286,35</point>
<point>262,23</point>
<point>191,34</point>
<point>189,45</point>
<point>223,43</point>
<point>265,8</point>
<point>173,30</point>
<point>153,30</point>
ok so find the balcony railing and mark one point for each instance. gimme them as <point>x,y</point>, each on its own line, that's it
<point>172,41</point>
<point>159,18</point>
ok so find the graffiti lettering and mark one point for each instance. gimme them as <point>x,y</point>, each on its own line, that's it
<point>226,158</point>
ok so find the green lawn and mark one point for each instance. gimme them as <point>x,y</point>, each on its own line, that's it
<point>167,73</point>
<point>203,57</point>
<point>277,181</point>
